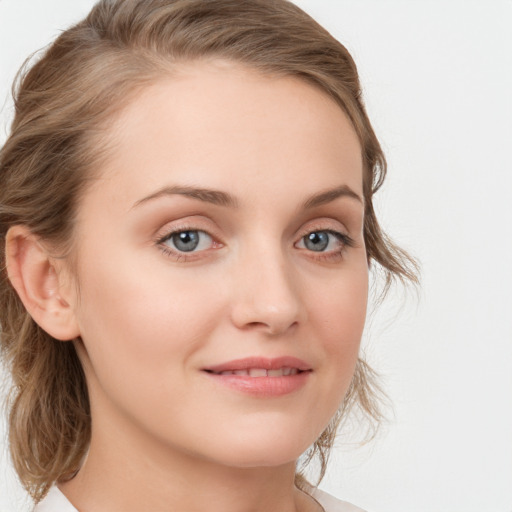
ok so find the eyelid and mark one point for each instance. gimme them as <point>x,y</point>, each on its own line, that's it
<point>188,223</point>
<point>328,225</point>
<point>172,228</point>
<point>324,224</point>
<point>343,238</point>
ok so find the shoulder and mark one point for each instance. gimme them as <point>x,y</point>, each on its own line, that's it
<point>331,504</point>
<point>54,501</point>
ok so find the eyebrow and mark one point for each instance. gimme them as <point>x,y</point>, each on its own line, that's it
<point>206,195</point>
<point>219,198</point>
<point>330,195</point>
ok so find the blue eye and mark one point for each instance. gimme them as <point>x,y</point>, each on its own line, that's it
<point>317,241</point>
<point>188,241</point>
<point>324,241</point>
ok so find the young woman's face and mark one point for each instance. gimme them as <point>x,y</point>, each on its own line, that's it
<point>222,267</point>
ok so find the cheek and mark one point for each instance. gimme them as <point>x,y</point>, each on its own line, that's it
<point>145,320</point>
<point>341,306</point>
<point>339,315</point>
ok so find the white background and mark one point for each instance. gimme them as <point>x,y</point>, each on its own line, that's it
<point>437,79</point>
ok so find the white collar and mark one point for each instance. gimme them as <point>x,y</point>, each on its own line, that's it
<point>55,501</point>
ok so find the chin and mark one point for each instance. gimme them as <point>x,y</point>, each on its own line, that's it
<point>258,460</point>
<point>263,450</point>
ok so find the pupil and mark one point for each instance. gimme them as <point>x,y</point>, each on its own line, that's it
<point>317,241</point>
<point>186,241</point>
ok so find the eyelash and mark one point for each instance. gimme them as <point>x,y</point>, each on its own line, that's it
<point>176,254</point>
<point>334,255</point>
<point>182,256</point>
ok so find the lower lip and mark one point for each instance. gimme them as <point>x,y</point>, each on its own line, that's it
<point>262,386</point>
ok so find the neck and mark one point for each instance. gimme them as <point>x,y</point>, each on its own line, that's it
<point>128,471</point>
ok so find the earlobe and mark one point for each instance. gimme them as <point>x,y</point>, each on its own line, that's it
<point>33,274</point>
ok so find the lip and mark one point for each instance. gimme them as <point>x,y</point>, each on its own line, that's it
<point>261,386</point>
<point>260,362</point>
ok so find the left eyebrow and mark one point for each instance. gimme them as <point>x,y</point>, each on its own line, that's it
<point>330,195</point>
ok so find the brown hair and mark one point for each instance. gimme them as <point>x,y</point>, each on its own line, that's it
<point>63,104</point>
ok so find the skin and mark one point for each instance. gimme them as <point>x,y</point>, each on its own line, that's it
<point>165,436</point>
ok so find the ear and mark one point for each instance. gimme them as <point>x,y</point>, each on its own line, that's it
<point>35,276</point>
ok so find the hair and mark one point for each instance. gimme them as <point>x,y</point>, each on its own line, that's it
<point>63,105</point>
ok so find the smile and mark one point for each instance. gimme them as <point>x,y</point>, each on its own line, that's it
<point>261,372</point>
<point>261,377</point>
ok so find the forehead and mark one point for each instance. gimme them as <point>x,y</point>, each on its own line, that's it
<point>221,124</point>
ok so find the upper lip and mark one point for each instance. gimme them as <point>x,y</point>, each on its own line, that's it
<point>260,362</point>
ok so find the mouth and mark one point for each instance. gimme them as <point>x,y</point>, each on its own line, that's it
<point>261,377</point>
<point>260,372</point>
<point>255,366</point>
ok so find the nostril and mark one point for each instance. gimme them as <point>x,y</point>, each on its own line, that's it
<point>255,325</point>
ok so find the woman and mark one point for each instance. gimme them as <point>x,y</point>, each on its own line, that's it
<point>186,210</point>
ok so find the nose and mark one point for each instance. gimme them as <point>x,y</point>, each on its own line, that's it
<point>266,294</point>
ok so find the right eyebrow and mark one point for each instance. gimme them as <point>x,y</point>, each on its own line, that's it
<point>207,195</point>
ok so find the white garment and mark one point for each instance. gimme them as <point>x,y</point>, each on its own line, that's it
<point>55,501</point>
<point>331,504</point>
